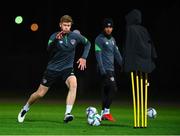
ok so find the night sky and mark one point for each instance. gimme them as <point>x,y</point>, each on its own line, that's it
<point>24,57</point>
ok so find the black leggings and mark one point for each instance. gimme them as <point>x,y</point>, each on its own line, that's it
<point>109,88</point>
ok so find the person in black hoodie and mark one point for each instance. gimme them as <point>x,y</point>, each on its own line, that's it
<point>138,58</point>
<point>139,51</point>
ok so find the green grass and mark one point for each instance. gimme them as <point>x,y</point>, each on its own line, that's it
<point>46,119</point>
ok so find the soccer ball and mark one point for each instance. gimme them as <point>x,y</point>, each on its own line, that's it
<point>94,119</point>
<point>90,111</point>
<point>151,113</point>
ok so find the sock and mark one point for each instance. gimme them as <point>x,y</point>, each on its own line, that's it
<point>102,112</point>
<point>26,107</point>
<point>68,109</point>
<point>106,111</point>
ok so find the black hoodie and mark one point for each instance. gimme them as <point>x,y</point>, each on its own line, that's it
<point>139,52</point>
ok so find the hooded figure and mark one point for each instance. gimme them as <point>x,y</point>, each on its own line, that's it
<point>139,51</point>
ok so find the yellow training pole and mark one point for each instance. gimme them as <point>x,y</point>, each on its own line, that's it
<point>142,99</point>
<point>137,87</point>
<point>134,99</point>
<point>146,97</point>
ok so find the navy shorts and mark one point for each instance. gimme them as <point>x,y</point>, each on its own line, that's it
<point>50,76</point>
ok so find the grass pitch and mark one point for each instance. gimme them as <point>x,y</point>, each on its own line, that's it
<point>46,118</point>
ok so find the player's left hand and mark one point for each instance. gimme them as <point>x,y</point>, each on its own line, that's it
<point>82,64</point>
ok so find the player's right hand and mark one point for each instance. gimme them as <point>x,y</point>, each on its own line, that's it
<point>59,35</point>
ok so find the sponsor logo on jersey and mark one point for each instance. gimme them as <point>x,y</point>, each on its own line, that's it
<point>107,43</point>
<point>60,42</point>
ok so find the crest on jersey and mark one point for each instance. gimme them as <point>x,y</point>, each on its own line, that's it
<point>73,41</point>
<point>107,43</point>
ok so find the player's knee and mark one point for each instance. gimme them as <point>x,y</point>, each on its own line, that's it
<point>40,95</point>
<point>37,95</point>
<point>73,85</point>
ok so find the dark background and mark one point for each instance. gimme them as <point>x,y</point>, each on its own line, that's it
<point>23,55</point>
